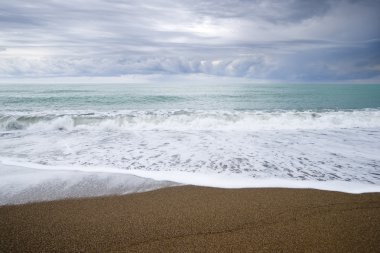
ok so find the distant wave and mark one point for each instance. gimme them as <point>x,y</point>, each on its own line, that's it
<point>189,120</point>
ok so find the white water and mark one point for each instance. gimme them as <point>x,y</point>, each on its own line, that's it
<point>23,184</point>
<point>181,120</point>
<point>329,150</point>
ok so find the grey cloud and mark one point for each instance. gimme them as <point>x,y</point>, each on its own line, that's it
<point>269,39</point>
<point>273,10</point>
<point>109,66</point>
<point>346,63</point>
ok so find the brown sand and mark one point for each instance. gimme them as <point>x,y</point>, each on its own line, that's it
<point>187,218</point>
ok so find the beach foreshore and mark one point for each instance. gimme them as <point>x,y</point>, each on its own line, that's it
<point>197,219</point>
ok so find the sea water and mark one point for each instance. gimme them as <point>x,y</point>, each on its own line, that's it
<point>324,136</point>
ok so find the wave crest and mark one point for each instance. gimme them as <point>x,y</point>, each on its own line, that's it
<point>192,120</point>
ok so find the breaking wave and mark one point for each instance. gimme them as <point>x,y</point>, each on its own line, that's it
<point>191,120</point>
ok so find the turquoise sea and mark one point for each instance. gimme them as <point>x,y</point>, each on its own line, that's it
<point>191,96</point>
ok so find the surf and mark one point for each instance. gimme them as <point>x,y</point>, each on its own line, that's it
<point>220,120</point>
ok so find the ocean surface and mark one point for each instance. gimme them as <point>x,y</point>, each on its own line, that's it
<point>235,135</point>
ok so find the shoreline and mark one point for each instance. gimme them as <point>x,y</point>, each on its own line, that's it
<point>197,219</point>
<point>29,183</point>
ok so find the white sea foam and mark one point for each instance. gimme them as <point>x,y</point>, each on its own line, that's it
<point>191,120</point>
<point>22,184</point>
<point>19,178</point>
<point>330,150</point>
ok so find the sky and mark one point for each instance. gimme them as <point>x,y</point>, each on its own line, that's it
<point>255,40</point>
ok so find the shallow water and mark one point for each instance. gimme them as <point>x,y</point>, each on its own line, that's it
<point>327,133</point>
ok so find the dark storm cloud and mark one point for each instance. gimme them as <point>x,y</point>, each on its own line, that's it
<point>272,39</point>
<point>334,64</point>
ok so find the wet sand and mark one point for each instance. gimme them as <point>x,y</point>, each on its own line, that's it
<point>189,218</point>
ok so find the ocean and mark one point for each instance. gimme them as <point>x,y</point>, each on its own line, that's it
<point>323,136</point>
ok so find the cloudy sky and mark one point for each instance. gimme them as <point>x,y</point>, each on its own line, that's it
<point>281,40</point>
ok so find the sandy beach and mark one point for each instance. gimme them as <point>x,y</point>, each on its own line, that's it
<point>189,218</point>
